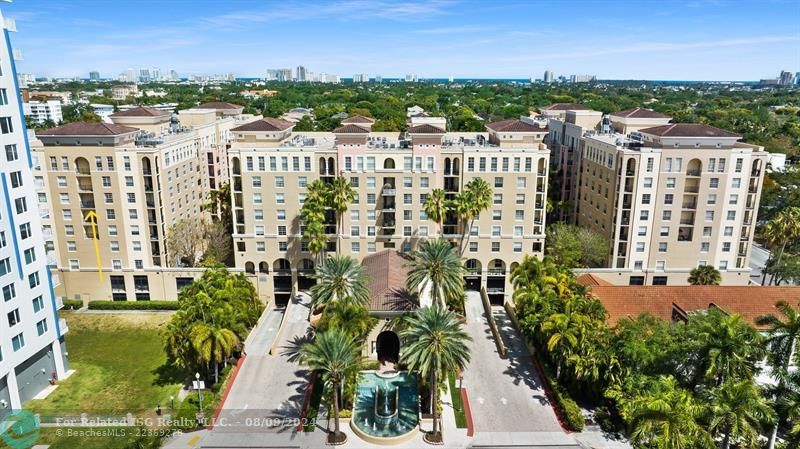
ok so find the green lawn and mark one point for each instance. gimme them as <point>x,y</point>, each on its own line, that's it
<point>458,405</point>
<point>119,363</point>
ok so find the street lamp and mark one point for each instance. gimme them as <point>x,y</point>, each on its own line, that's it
<point>172,402</point>
<point>199,394</point>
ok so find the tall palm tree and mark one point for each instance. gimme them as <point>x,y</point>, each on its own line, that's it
<point>213,344</point>
<point>788,404</point>
<point>704,275</point>
<point>353,319</point>
<point>436,345</point>
<point>340,195</point>
<point>731,349</point>
<point>738,411</point>
<point>436,264</point>
<point>782,229</point>
<point>563,332</point>
<point>340,278</point>
<point>782,342</point>
<point>313,216</point>
<point>476,198</point>
<point>335,355</point>
<point>436,207</point>
<point>665,416</point>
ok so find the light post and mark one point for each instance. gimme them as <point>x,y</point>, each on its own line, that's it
<point>199,393</point>
<point>172,402</point>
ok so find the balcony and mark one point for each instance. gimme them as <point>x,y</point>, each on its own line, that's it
<point>692,172</point>
<point>87,205</point>
<point>62,325</point>
<point>389,190</point>
<point>495,272</point>
<point>755,172</point>
<point>56,280</point>
<point>59,303</point>
<point>690,204</point>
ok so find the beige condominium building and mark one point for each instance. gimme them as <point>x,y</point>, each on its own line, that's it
<point>669,197</point>
<point>137,176</point>
<point>393,173</point>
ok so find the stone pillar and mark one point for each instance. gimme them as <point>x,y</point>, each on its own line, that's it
<point>13,390</point>
<point>58,359</point>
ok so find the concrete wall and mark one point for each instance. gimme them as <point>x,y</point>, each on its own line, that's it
<point>34,374</point>
<point>4,396</point>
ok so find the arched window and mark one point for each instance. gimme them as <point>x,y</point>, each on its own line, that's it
<point>82,166</point>
<point>447,166</point>
<point>456,166</point>
<point>388,163</point>
<point>237,166</point>
<point>323,166</point>
<point>331,167</point>
<point>282,265</point>
<point>249,268</point>
<point>263,267</point>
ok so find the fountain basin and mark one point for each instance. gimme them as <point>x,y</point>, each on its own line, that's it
<point>380,422</point>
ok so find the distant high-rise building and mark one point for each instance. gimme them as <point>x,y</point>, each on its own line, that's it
<point>131,76</point>
<point>284,75</point>
<point>797,78</point>
<point>94,75</point>
<point>378,79</point>
<point>786,78</point>
<point>42,111</point>
<point>360,78</point>
<point>548,76</point>
<point>450,79</point>
<point>173,75</point>
<point>582,78</point>
<point>155,74</point>
<point>144,75</point>
<point>33,351</point>
<point>301,73</point>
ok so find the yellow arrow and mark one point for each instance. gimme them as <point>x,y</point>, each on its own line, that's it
<point>92,218</point>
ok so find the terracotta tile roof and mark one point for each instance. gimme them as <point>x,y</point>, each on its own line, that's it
<point>219,105</point>
<point>386,280</point>
<point>358,119</point>
<point>515,125</point>
<point>589,279</point>
<point>87,129</point>
<point>265,124</point>
<point>141,111</point>
<point>425,128</point>
<point>626,301</point>
<point>351,129</point>
<point>639,113</point>
<point>566,107</point>
<point>687,130</point>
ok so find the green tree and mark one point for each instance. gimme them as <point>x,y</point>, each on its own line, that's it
<point>436,207</point>
<point>575,246</point>
<point>437,265</point>
<point>213,344</point>
<point>335,355</point>
<point>738,411</point>
<point>341,195</point>
<point>704,275</point>
<point>436,344</point>
<point>476,198</point>
<point>353,319</point>
<point>340,278</point>
<point>313,216</point>
<point>781,230</point>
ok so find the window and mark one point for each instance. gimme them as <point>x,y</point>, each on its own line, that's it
<point>129,181</point>
<point>259,229</point>
<point>63,198</point>
<point>713,183</point>
<point>261,247</point>
<point>279,199</point>
<point>74,264</point>
<point>116,264</point>
<point>282,230</point>
<point>666,215</point>
<point>131,198</point>
<point>662,247</point>
<point>25,231</point>
<point>371,198</point>
<point>407,182</point>
<point>721,167</point>
<point>423,231</point>
<point>668,198</point>
<point>664,231</point>
<point>739,162</point>
<point>712,199</point>
<point>649,164</point>
<point>473,247</point>
<point>355,231</point>
<point>646,198</point>
<point>33,280</point>
<point>371,182</point>
<point>736,183</point>
<point>30,256</point>
<point>5,125</point>
<point>11,151</point>
<point>38,304</point>
<point>5,266</point>
<point>521,183</point>
<point>407,231</point>
<point>707,231</point>
<point>642,230</point>
<point>496,230</point>
<point>280,214</point>
<point>670,183</point>
<point>517,231</point>
<point>498,181</point>
<point>723,264</point>
<point>134,229</point>
<point>16,179</point>
<point>256,181</point>
<point>668,164</point>
<point>731,215</point>
<point>9,292</point>
<point>660,265</point>
<point>709,215</point>
<point>257,199</point>
<point>21,205</point>
<point>18,342</point>
<point>517,247</point>
<point>69,230</point>
<point>424,182</point>
<point>114,245</point>
<point>408,215</point>
<point>355,247</point>
<point>497,215</point>
<point>704,247</point>
<point>279,182</point>
<point>495,247</point>
<point>734,199</point>
<point>407,198</point>
<point>354,215</point>
<point>371,231</point>
<point>71,246</point>
<point>108,198</point>
<point>644,215</point>
<point>520,199</point>
<point>111,214</point>
<point>519,215</point>
<point>498,198</point>
<point>648,182</point>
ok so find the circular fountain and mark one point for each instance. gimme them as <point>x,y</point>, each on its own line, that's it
<point>386,410</point>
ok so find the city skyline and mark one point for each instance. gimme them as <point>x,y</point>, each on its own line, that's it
<point>618,41</point>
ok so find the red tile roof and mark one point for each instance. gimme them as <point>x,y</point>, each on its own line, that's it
<point>141,111</point>
<point>351,129</point>
<point>425,128</point>
<point>687,130</point>
<point>515,125</point>
<point>589,279</point>
<point>87,129</point>
<point>627,301</point>
<point>358,119</point>
<point>639,113</point>
<point>219,105</point>
<point>566,107</point>
<point>386,281</point>
<point>265,124</point>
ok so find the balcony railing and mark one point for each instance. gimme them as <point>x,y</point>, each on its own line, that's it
<point>59,303</point>
<point>62,325</point>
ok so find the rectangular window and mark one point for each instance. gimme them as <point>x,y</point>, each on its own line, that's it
<point>38,304</point>
<point>18,342</point>
<point>5,125</point>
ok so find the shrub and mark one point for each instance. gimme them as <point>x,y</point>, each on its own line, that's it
<point>72,304</point>
<point>569,410</point>
<point>133,305</point>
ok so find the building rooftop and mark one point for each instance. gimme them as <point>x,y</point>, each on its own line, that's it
<point>516,125</point>
<point>351,129</point>
<point>639,113</point>
<point>140,111</point>
<point>668,302</point>
<point>87,129</point>
<point>265,124</point>
<point>386,280</point>
<point>357,119</point>
<point>687,130</point>
<point>565,107</point>
<point>219,105</point>
<point>425,128</point>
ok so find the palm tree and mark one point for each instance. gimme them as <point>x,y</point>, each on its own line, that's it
<point>731,348</point>
<point>436,207</point>
<point>335,355</point>
<point>784,335</point>
<point>340,278</point>
<point>563,332</point>
<point>782,229</point>
<point>436,345</point>
<point>788,405</point>
<point>665,417</point>
<point>213,343</point>
<point>340,195</point>
<point>738,411</point>
<point>704,275</point>
<point>313,216</point>
<point>476,198</point>
<point>353,319</point>
<point>436,264</point>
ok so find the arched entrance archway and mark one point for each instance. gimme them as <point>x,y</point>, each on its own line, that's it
<point>388,347</point>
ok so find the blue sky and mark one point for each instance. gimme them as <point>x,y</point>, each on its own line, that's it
<point>684,40</point>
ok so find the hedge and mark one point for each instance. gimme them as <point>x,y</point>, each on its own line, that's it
<point>72,304</point>
<point>133,305</point>
<point>570,410</point>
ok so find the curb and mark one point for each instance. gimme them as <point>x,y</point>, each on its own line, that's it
<point>227,391</point>
<point>467,412</point>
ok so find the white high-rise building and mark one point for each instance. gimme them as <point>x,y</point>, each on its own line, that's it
<point>32,353</point>
<point>42,111</point>
<point>548,76</point>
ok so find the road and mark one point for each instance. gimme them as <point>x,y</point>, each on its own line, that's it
<point>758,258</point>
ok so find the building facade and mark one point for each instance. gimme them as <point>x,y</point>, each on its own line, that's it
<point>42,111</point>
<point>138,176</point>
<point>393,174</point>
<point>32,352</point>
